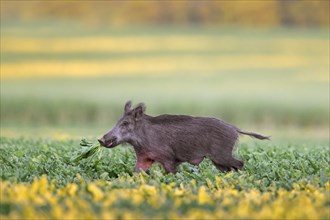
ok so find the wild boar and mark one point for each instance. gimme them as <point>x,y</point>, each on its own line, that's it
<point>173,139</point>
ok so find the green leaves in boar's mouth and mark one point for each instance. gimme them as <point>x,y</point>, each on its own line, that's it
<point>89,150</point>
<point>85,142</point>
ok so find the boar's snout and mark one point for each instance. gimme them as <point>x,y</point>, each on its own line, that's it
<point>108,142</point>
<point>101,141</point>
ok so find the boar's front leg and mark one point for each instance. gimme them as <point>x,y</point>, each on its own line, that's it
<point>143,163</point>
<point>170,166</point>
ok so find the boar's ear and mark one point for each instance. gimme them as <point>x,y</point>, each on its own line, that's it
<point>139,110</point>
<point>127,107</point>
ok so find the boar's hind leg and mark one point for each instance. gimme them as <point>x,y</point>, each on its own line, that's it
<point>223,159</point>
<point>226,168</point>
<point>228,163</point>
<point>222,168</point>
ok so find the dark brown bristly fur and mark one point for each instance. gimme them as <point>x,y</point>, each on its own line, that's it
<point>173,139</point>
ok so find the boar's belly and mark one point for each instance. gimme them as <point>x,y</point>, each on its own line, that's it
<point>190,153</point>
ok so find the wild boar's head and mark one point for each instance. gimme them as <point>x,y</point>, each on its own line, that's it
<point>125,129</point>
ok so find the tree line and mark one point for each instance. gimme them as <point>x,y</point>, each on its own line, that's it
<point>221,12</point>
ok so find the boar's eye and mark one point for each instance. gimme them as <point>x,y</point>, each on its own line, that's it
<point>125,123</point>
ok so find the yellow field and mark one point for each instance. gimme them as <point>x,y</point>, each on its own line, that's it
<point>100,199</point>
<point>172,43</point>
<point>161,54</point>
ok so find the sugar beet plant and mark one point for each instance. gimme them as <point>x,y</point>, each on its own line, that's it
<point>266,165</point>
<point>61,179</point>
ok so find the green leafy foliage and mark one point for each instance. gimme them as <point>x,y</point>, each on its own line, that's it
<point>266,165</point>
<point>89,150</point>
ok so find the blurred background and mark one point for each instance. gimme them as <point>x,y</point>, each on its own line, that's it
<point>68,67</point>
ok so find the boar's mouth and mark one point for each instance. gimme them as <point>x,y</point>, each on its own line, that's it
<point>109,143</point>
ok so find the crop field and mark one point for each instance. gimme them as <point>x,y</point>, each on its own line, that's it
<point>39,181</point>
<point>61,82</point>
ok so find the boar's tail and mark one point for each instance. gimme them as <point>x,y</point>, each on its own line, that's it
<point>255,135</point>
